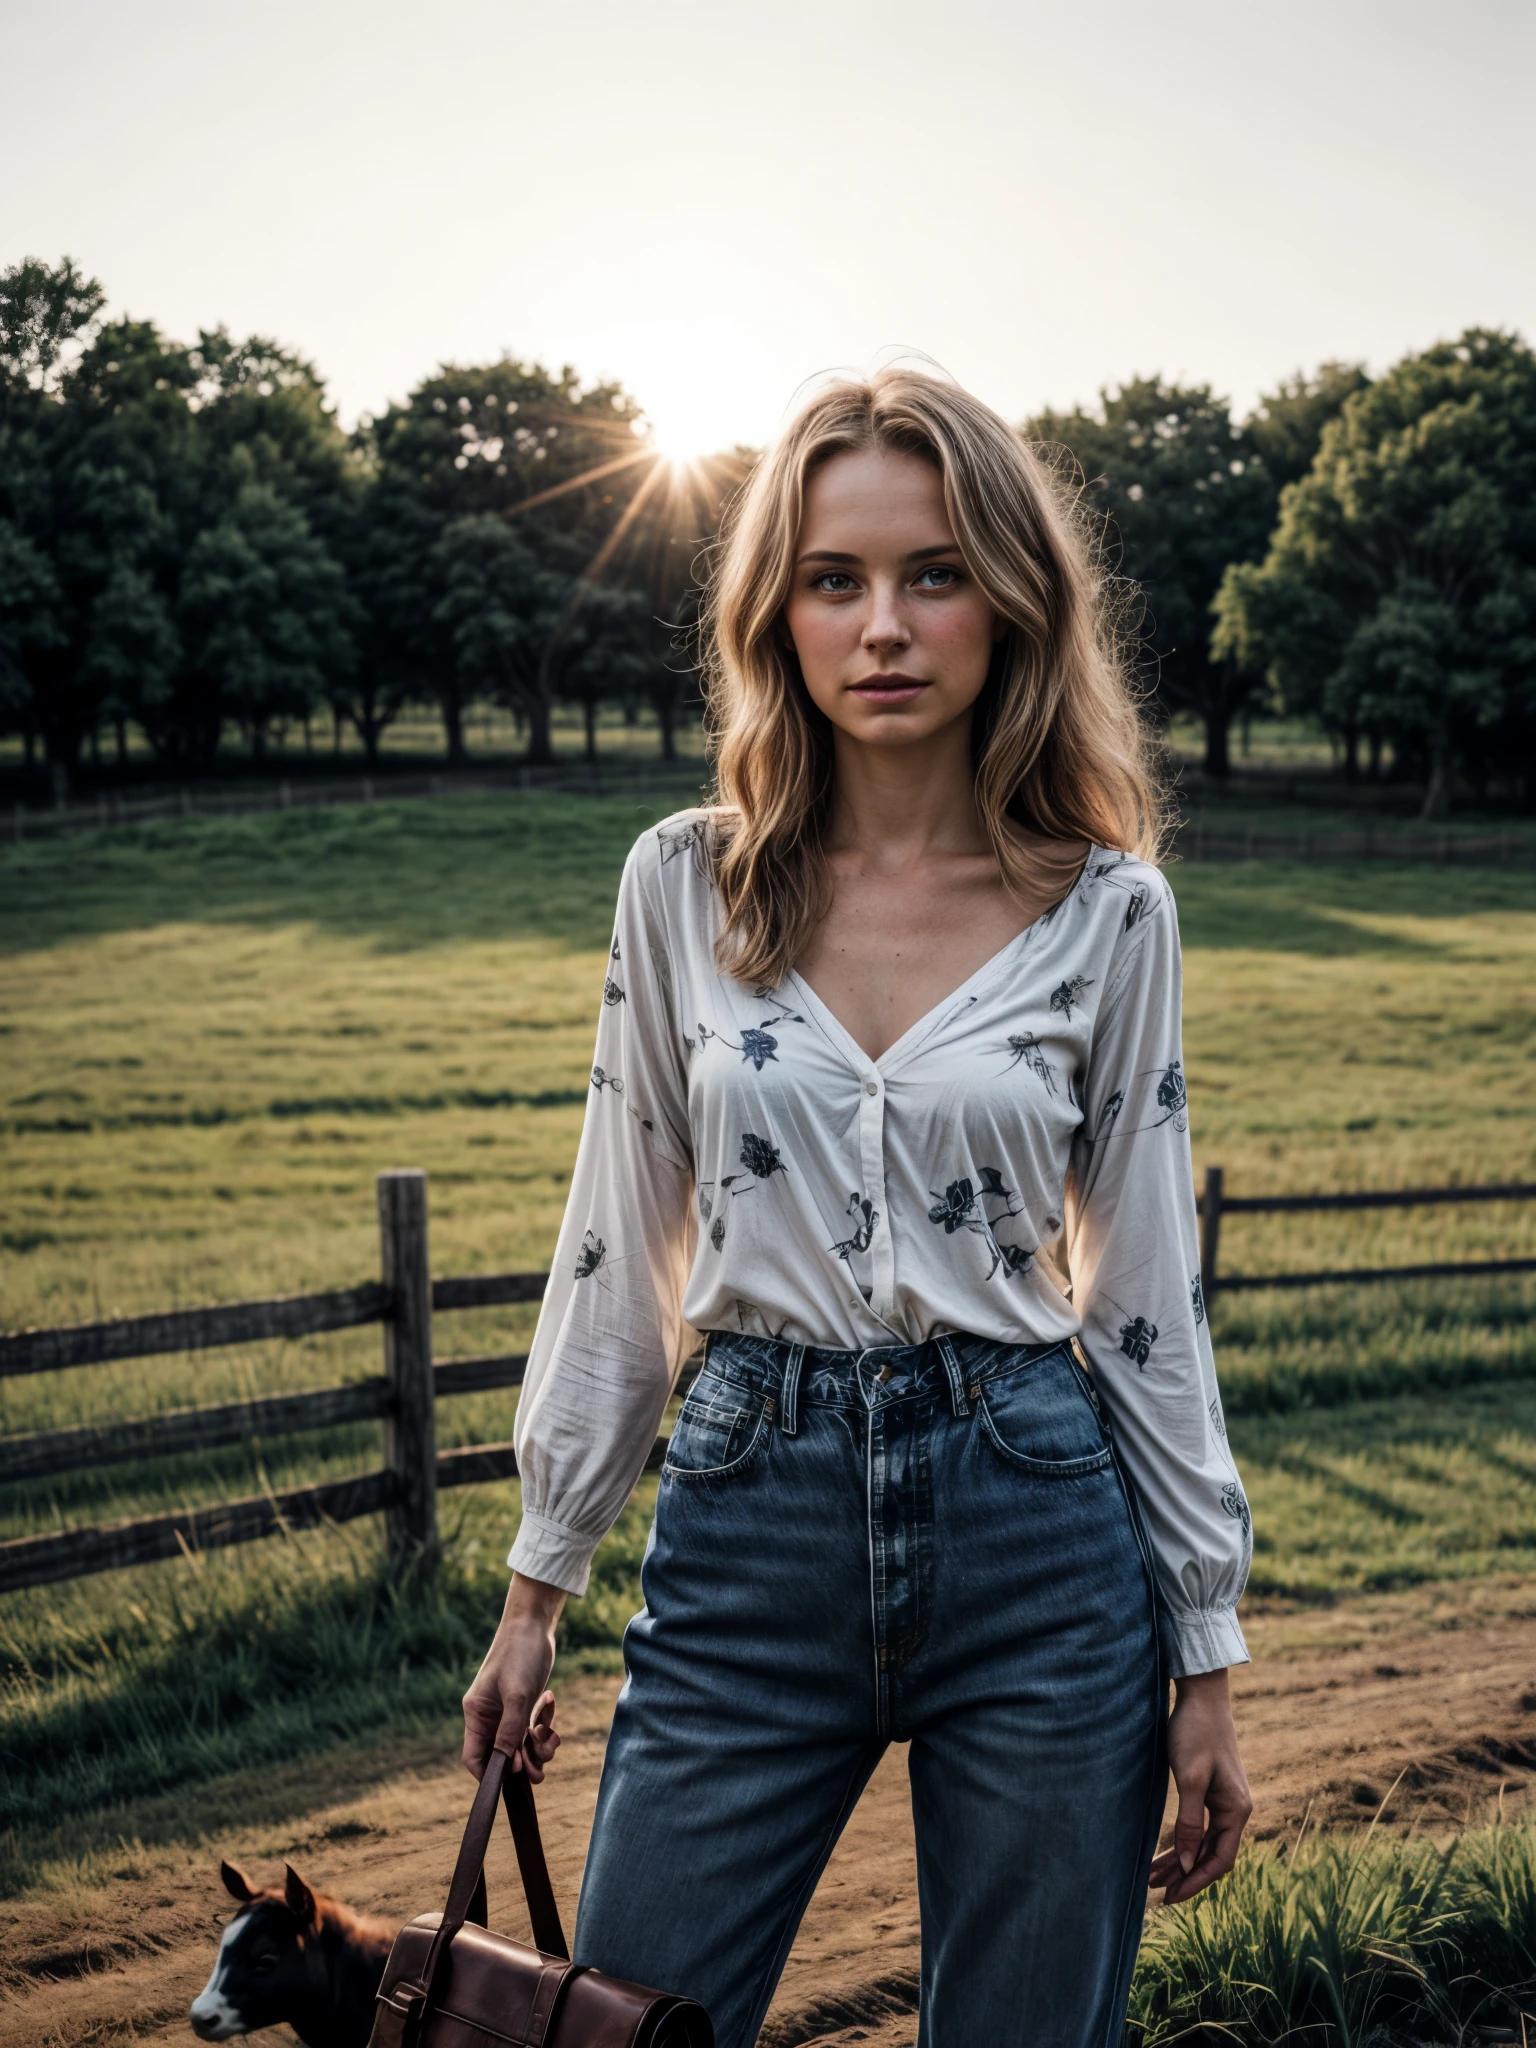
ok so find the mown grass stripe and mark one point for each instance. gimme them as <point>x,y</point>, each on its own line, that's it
<point>289,1107</point>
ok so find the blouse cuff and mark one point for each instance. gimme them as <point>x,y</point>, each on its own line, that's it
<point>1204,1639</point>
<point>552,1553</point>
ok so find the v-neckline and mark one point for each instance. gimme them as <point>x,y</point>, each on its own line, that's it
<point>863,1062</point>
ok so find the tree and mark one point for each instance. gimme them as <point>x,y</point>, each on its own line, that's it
<point>1286,426</point>
<point>95,459</point>
<point>1183,493</point>
<point>261,613</point>
<point>129,465</point>
<point>505,440</point>
<point>679,517</point>
<point>499,607</point>
<point>601,648</point>
<point>44,308</point>
<point>262,416</point>
<point>1398,596</point>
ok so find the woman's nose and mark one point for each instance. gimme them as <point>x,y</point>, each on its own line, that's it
<point>884,625</point>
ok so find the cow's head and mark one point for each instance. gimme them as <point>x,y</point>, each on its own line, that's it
<point>269,1964</point>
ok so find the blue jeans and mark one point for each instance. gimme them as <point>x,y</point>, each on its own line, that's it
<point>931,1544</point>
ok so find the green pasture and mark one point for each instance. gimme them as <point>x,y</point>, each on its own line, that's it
<point>213,1034</point>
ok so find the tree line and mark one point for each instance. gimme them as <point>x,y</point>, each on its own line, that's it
<point>1359,553</point>
<point>191,546</point>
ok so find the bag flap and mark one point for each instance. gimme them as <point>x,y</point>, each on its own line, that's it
<point>487,1979</point>
<point>491,1981</point>
<point>607,2012</point>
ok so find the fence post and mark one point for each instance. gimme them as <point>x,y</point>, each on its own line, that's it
<point>1210,1231</point>
<point>410,1432</point>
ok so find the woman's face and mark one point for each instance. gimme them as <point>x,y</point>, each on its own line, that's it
<point>894,637</point>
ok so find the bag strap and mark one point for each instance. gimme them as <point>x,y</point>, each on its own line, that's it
<point>517,1796</point>
<point>467,1891</point>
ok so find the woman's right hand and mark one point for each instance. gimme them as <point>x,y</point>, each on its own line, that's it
<point>507,1706</point>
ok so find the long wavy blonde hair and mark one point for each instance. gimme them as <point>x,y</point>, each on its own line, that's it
<point>1061,752</point>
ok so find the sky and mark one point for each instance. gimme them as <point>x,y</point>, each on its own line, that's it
<point>714,201</point>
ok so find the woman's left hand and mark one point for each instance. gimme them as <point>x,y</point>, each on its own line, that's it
<point>1214,1800</point>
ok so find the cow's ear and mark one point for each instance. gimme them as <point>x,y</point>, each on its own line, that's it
<point>236,1883</point>
<point>301,1900</point>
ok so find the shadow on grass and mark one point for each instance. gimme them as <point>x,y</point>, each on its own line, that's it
<point>143,1715</point>
<point>1280,907</point>
<point>403,875</point>
<point>265,1795</point>
<point>406,875</point>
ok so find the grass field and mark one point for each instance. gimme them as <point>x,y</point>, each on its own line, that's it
<point>213,1034</point>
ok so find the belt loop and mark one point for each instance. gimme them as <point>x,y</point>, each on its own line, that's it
<point>959,1405</point>
<point>789,1411</point>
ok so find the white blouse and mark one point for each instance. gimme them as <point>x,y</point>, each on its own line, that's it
<point>745,1166</point>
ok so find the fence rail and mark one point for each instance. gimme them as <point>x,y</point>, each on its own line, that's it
<point>404,1300</point>
<point>44,1452</point>
<point>1200,842</point>
<point>1213,1203</point>
<point>611,777</point>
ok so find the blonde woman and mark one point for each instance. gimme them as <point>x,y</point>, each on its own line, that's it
<point>889,1105</point>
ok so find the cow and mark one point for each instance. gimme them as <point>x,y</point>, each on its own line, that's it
<point>293,1955</point>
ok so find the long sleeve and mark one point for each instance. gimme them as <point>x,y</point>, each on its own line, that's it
<point>1133,1249</point>
<point>611,1334</point>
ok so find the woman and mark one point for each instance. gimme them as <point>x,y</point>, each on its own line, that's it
<point>889,1049</point>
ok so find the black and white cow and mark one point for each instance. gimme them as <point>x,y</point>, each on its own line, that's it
<point>294,1956</point>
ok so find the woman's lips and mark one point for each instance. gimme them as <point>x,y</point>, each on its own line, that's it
<point>891,689</point>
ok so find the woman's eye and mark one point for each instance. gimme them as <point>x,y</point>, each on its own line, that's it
<point>834,582</point>
<point>944,577</point>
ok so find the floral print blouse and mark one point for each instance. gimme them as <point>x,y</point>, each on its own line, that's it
<point>1015,1166</point>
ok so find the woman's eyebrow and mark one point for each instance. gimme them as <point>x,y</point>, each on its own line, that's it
<point>942,547</point>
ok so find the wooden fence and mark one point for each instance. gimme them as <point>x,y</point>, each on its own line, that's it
<point>1214,1203</point>
<point>1203,842</point>
<point>611,775</point>
<point>404,1299</point>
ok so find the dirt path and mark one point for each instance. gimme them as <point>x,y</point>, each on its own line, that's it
<point>1436,1695</point>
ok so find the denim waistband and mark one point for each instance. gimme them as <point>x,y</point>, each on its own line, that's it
<point>809,1375</point>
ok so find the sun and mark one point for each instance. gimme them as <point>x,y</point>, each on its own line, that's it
<point>681,442</point>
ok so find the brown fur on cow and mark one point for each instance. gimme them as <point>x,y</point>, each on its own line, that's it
<point>291,1955</point>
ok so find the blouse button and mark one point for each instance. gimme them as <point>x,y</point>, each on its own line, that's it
<point>871,1087</point>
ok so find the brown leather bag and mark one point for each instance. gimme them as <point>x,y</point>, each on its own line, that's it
<point>449,1983</point>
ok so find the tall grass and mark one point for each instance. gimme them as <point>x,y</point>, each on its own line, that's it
<point>245,1657</point>
<point>1338,1941</point>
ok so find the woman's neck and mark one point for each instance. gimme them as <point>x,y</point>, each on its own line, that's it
<point>893,805</point>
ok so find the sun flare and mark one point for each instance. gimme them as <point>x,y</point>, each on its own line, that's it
<point>682,443</point>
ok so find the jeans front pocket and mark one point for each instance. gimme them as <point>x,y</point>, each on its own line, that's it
<point>1041,1417</point>
<point>718,1430</point>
